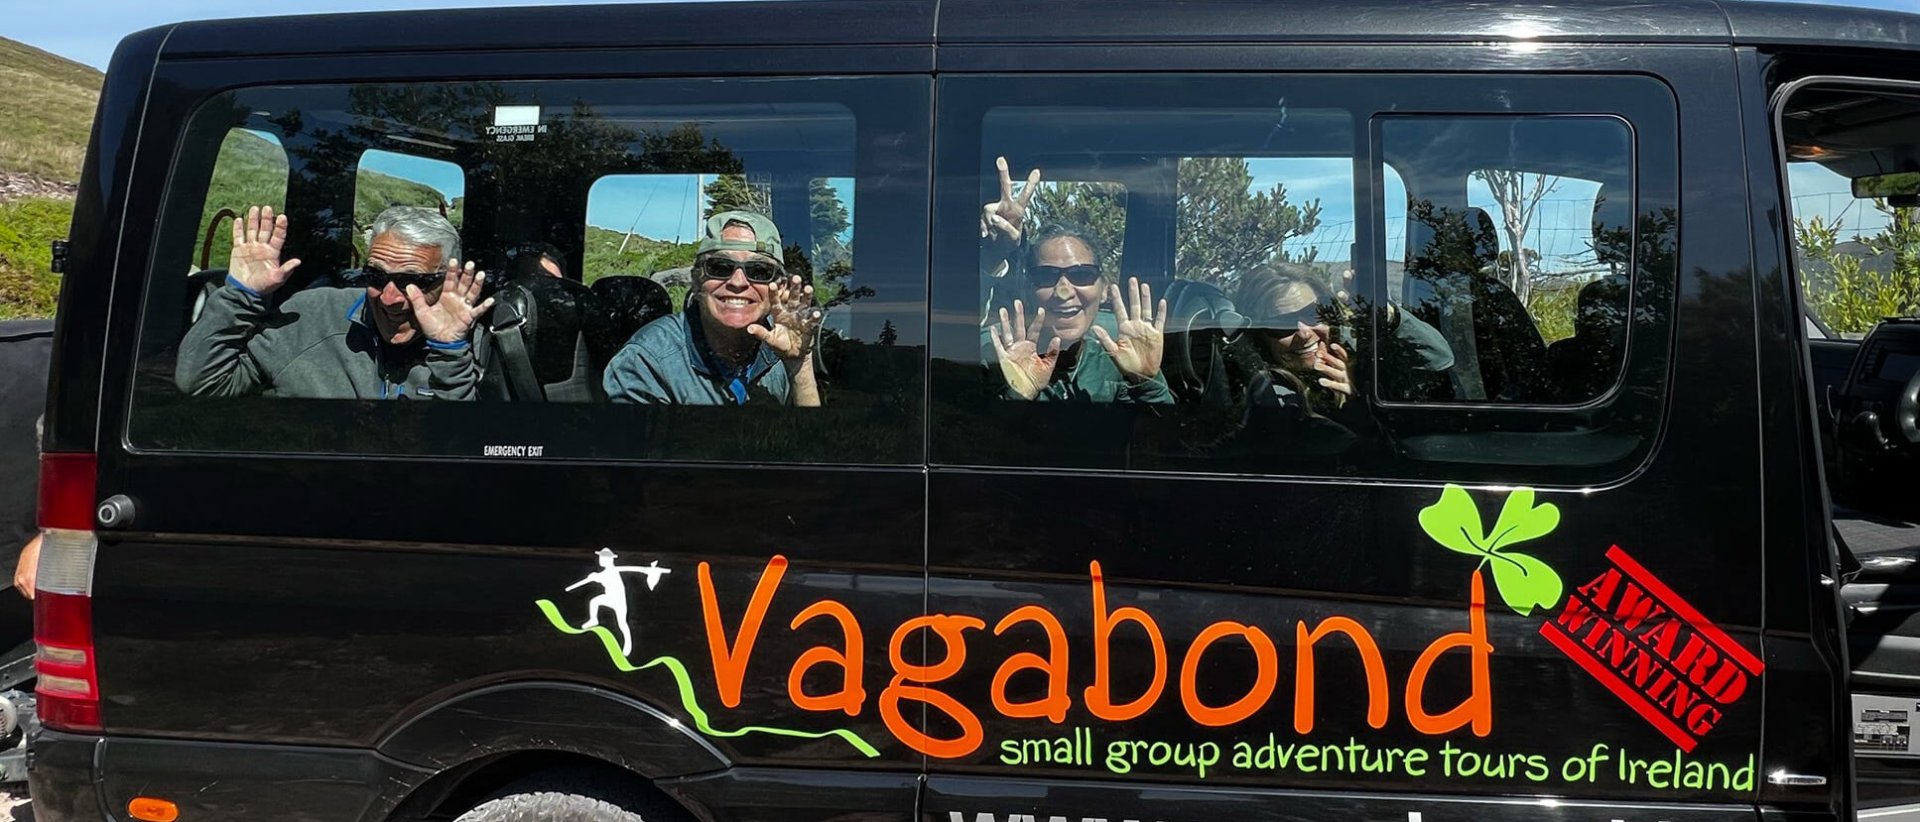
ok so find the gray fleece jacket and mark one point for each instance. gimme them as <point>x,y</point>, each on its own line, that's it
<point>319,343</point>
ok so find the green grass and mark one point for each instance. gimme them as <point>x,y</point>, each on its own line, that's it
<point>643,256</point>
<point>47,106</point>
<point>252,170</point>
<point>28,286</point>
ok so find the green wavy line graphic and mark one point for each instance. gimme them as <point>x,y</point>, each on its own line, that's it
<point>685,682</point>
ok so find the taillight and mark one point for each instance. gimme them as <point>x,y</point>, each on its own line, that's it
<point>69,687</point>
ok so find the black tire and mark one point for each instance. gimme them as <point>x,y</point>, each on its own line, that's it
<point>548,806</point>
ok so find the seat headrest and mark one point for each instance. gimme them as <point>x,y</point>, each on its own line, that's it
<point>1601,307</point>
<point>552,314</point>
<point>1450,241</point>
<point>1482,236</point>
<point>1612,226</point>
<point>627,302</point>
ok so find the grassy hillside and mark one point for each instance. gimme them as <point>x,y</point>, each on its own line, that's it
<point>47,104</point>
<point>643,256</point>
<point>252,170</point>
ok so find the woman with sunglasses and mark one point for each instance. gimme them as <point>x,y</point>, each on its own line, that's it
<point>746,334</point>
<point>1046,358</point>
<point>1300,330</point>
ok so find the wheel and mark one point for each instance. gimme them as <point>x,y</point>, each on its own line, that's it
<point>573,796</point>
<point>548,806</point>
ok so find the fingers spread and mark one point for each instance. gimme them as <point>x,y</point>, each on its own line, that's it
<point>288,266</point>
<point>1106,341</point>
<point>481,309</point>
<point>1119,303</point>
<point>417,299</point>
<point>1006,178</point>
<point>1020,320</point>
<point>1160,319</point>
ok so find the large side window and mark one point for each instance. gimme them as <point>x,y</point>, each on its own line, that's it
<point>1292,275</point>
<point>630,316</point>
<point>1518,253</point>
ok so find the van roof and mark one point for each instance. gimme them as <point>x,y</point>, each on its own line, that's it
<point>960,22</point>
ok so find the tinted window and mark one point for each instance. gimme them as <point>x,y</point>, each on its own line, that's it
<point>553,169</point>
<point>1518,237</point>
<point>1327,300</point>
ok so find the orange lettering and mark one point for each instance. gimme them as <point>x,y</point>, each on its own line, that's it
<point>1099,695</point>
<point>909,683</point>
<point>850,696</point>
<point>1478,707</point>
<point>730,663</point>
<point>1303,678</point>
<point>1268,674</point>
<point>1054,705</point>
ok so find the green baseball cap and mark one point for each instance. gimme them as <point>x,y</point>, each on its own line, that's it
<point>766,237</point>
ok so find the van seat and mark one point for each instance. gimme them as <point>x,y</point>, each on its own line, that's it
<point>1498,352</point>
<point>627,302</point>
<point>539,332</point>
<point>1584,364</point>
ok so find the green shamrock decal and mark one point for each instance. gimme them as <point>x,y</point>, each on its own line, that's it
<point>1524,581</point>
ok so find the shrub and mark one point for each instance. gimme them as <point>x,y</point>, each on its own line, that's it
<point>28,286</point>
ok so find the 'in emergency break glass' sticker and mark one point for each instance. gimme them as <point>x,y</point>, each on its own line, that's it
<point>516,124</point>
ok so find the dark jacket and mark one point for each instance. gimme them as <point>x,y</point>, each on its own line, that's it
<point>320,343</point>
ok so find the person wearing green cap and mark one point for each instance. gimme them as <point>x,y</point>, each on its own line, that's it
<point>746,334</point>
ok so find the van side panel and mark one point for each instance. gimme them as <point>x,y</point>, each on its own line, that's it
<point>80,340</point>
<point>1271,599</point>
<point>1807,728</point>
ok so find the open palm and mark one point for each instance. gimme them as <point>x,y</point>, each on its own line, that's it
<point>255,259</point>
<point>1026,368</point>
<point>1136,350</point>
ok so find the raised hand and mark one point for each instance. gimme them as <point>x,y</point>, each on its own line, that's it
<point>796,321</point>
<point>255,259</point>
<point>450,318</point>
<point>1017,344</point>
<point>1142,339</point>
<point>1331,362</point>
<point>1003,222</point>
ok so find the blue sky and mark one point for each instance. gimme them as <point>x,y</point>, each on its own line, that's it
<point>87,30</point>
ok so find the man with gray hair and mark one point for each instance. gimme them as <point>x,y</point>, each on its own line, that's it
<point>400,330</point>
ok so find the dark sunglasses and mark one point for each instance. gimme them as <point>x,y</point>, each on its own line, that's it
<point>720,267</point>
<point>1287,323</point>
<point>1081,276</point>
<point>373,276</point>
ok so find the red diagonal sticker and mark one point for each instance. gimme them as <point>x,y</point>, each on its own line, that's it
<point>1654,650</point>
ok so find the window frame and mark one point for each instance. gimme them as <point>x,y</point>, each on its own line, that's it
<point>884,139</point>
<point>1634,405</point>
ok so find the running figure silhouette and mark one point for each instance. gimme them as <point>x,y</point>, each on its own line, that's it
<point>613,594</point>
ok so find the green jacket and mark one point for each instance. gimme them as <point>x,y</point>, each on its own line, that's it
<point>1094,377</point>
<point>319,343</point>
